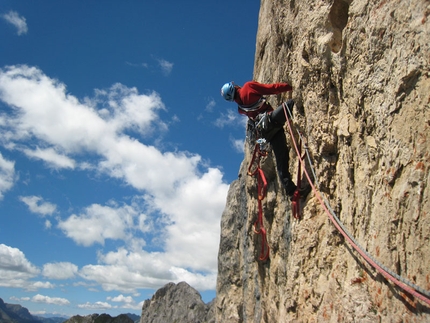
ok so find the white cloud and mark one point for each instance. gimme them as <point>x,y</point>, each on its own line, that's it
<point>144,65</point>
<point>228,119</point>
<point>165,66</point>
<point>25,299</point>
<point>50,300</point>
<point>37,285</point>
<point>17,21</point>
<point>36,205</point>
<point>126,302</point>
<point>99,223</point>
<point>51,157</point>
<point>48,224</point>
<point>95,306</point>
<point>7,175</point>
<point>210,106</point>
<point>238,145</point>
<point>121,299</point>
<point>15,269</point>
<point>13,259</point>
<point>127,109</point>
<point>60,270</point>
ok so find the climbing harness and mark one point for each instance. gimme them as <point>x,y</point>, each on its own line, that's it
<point>260,151</point>
<point>399,281</point>
<point>245,109</point>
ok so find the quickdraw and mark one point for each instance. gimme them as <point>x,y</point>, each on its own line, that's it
<point>259,151</point>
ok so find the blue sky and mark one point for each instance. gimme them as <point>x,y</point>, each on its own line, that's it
<point>116,148</point>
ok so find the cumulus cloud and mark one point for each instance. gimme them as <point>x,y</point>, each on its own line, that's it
<point>60,270</point>
<point>126,302</point>
<point>37,285</point>
<point>13,259</point>
<point>17,21</point>
<point>36,205</point>
<point>99,223</point>
<point>7,175</point>
<point>121,299</point>
<point>178,195</point>
<point>15,269</point>
<point>49,300</point>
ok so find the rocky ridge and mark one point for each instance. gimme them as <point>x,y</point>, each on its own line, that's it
<point>360,74</point>
<point>177,303</point>
<point>100,318</point>
<point>15,313</point>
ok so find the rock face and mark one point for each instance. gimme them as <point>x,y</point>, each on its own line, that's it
<point>177,303</point>
<point>360,74</point>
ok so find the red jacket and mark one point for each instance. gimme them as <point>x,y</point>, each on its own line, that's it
<point>252,91</point>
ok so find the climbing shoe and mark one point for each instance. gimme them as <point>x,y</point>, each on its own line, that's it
<point>289,186</point>
<point>290,105</point>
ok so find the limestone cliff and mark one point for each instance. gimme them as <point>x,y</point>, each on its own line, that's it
<point>177,303</point>
<point>360,74</point>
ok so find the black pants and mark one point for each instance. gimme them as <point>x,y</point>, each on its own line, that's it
<point>282,155</point>
<point>279,146</point>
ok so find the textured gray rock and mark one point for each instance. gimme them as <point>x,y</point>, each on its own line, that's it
<point>177,303</point>
<point>360,74</point>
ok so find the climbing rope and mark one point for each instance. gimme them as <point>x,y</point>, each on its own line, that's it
<point>295,200</point>
<point>399,281</point>
<point>259,151</point>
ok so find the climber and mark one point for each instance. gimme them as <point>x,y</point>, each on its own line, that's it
<point>269,122</point>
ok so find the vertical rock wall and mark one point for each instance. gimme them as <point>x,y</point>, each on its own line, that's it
<point>360,74</point>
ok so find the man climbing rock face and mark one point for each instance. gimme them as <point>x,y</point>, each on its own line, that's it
<point>251,102</point>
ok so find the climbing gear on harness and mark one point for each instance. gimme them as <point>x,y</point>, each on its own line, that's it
<point>260,151</point>
<point>262,143</point>
<point>263,123</point>
<point>250,131</point>
<point>227,91</point>
<point>265,127</point>
<point>261,127</point>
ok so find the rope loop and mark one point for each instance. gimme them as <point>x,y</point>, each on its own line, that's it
<point>262,191</point>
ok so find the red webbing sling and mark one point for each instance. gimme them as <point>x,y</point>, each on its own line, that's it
<point>262,190</point>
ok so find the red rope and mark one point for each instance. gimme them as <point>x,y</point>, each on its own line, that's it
<point>358,249</point>
<point>262,190</point>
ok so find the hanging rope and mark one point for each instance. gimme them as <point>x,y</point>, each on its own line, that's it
<point>296,196</point>
<point>259,152</point>
<point>399,281</point>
